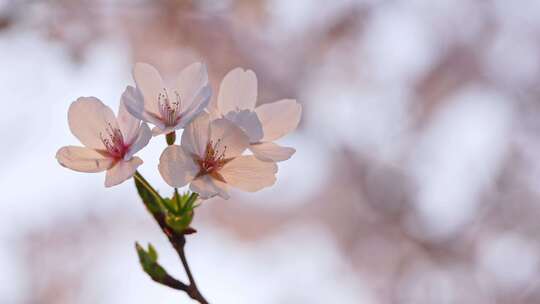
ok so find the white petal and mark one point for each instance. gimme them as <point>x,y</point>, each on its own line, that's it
<point>249,174</point>
<point>143,138</point>
<point>249,123</point>
<point>150,84</point>
<point>133,101</point>
<point>196,135</point>
<point>279,118</point>
<point>271,152</point>
<point>196,108</point>
<point>88,117</point>
<point>208,187</point>
<point>156,131</point>
<point>238,91</point>
<point>122,171</point>
<point>189,83</point>
<point>213,110</point>
<point>83,159</point>
<point>230,137</point>
<point>177,166</point>
<point>129,124</point>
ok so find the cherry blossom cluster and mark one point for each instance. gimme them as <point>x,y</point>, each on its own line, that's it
<point>226,142</point>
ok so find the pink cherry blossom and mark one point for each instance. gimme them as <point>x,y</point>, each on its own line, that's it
<point>210,160</point>
<point>169,109</point>
<point>109,142</point>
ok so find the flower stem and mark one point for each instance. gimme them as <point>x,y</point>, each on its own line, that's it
<point>178,241</point>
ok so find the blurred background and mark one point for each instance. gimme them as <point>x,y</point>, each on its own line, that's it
<point>416,177</point>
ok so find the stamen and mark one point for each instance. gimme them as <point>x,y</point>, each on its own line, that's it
<point>214,158</point>
<point>170,111</point>
<point>113,141</point>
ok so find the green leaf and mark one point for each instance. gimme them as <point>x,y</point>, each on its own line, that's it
<point>148,260</point>
<point>152,253</point>
<point>151,201</point>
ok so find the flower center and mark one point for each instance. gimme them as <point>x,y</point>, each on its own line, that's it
<point>169,111</point>
<point>214,159</point>
<point>113,141</point>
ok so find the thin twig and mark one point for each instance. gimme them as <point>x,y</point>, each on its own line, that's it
<point>178,241</point>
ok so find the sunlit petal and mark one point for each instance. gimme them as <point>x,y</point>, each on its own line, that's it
<point>128,124</point>
<point>83,159</point>
<point>89,119</point>
<point>189,83</point>
<point>249,174</point>
<point>150,84</point>
<point>230,137</point>
<point>271,152</point>
<point>143,138</point>
<point>122,171</point>
<point>279,118</point>
<point>238,91</point>
<point>177,166</point>
<point>249,123</point>
<point>196,135</point>
<point>196,108</point>
<point>208,187</point>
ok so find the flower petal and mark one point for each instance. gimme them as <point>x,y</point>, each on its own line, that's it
<point>249,123</point>
<point>177,166</point>
<point>196,135</point>
<point>279,118</point>
<point>151,85</point>
<point>197,107</point>
<point>238,91</point>
<point>271,152</point>
<point>122,171</point>
<point>208,187</point>
<point>83,159</point>
<point>88,117</point>
<point>189,83</point>
<point>231,137</point>
<point>129,124</point>
<point>143,138</point>
<point>249,174</point>
<point>133,101</point>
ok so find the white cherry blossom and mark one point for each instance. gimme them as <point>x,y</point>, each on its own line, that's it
<point>264,124</point>
<point>169,109</point>
<point>109,142</point>
<point>210,160</point>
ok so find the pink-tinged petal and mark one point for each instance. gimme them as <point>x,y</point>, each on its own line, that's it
<point>133,101</point>
<point>129,124</point>
<point>238,91</point>
<point>196,135</point>
<point>142,139</point>
<point>122,171</point>
<point>196,108</point>
<point>231,138</point>
<point>249,174</point>
<point>177,166</point>
<point>249,123</point>
<point>156,131</point>
<point>83,159</point>
<point>279,118</point>
<point>207,187</point>
<point>150,84</point>
<point>189,83</point>
<point>89,119</point>
<point>212,109</point>
<point>271,152</point>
